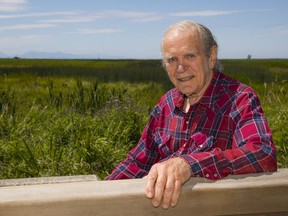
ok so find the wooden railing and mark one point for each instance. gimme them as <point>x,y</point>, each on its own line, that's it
<point>254,194</point>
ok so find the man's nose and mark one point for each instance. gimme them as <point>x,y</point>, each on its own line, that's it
<point>181,67</point>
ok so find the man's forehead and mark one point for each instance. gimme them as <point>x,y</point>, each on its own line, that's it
<point>188,40</point>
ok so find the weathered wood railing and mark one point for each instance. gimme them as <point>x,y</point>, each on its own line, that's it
<point>255,194</point>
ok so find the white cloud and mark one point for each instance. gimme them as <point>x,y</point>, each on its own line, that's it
<point>204,13</point>
<point>12,5</point>
<point>136,16</point>
<point>59,13</point>
<point>26,26</point>
<point>74,19</point>
<point>78,17</point>
<point>13,1</point>
<point>97,31</point>
<point>126,14</point>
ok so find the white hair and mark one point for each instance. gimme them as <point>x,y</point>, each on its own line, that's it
<point>208,40</point>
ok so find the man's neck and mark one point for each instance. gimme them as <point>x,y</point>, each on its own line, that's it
<point>195,97</point>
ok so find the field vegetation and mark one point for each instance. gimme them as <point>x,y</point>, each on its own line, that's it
<point>72,117</point>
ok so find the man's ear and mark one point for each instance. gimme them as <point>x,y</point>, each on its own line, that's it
<point>213,57</point>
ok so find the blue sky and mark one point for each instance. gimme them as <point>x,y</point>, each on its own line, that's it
<point>134,29</point>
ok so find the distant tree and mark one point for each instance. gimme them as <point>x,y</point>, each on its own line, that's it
<point>16,57</point>
<point>249,56</point>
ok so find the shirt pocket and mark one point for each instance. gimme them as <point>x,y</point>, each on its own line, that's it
<point>163,142</point>
<point>200,142</point>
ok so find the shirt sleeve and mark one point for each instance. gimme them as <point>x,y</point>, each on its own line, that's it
<point>140,159</point>
<point>252,149</point>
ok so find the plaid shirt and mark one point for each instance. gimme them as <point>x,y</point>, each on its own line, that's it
<point>224,133</point>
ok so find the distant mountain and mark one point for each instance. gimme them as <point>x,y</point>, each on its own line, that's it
<point>61,55</point>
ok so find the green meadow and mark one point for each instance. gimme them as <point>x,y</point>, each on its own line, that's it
<point>77,117</point>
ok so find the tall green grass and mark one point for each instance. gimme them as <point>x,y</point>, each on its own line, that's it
<point>53,126</point>
<point>70,117</point>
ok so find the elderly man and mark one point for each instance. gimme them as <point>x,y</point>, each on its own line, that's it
<point>209,125</point>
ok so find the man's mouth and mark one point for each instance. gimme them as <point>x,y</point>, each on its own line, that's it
<point>185,79</point>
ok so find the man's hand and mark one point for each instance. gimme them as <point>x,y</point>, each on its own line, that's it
<point>165,180</point>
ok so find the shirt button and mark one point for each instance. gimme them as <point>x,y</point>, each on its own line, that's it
<point>187,122</point>
<point>215,174</point>
<point>207,175</point>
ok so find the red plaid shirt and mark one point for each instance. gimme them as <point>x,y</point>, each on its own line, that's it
<point>224,133</point>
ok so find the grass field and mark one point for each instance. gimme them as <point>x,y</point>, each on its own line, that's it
<point>71,117</point>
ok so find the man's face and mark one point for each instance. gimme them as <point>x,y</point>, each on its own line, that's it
<point>189,69</point>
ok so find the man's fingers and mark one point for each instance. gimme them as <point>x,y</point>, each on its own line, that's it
<point>176,193</point>
<point>169,190</point>
<point>159,190</point>
<point>150,183</point>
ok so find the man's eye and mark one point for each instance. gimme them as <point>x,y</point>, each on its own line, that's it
<point>189,56</point>
<point>171,60</point>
